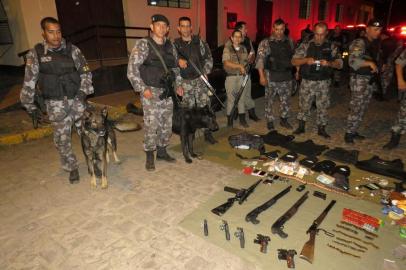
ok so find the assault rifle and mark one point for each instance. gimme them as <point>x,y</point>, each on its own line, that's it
<point>201,76</point>
<point>240,195</point>
<point>238,95</point>
<point>277,227</point>
<point>252,216</point>
<point>376,79</point>
<point>307,252</point>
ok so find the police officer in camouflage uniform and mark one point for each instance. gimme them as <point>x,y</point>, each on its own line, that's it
<point>191,47</point>
<point>275,72</point>
<point>146,74</point>
<point>339,40</point>
<point>317,58</point>
<point>363,59</point>
<point>62,75</point>
<point>235,59</point>
<point>400,126</point>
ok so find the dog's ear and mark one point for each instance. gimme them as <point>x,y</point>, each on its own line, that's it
<point>104,112</point>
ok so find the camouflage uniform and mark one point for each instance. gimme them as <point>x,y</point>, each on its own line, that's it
<point>234,79</point>
<point>157,113</point>
<point>315,89</point>
<point>196,92</point>
<point>62,113</point>
<point>281,88</point>
<point>400,127</point>
<point>361,88</point>
<point>389,71</point>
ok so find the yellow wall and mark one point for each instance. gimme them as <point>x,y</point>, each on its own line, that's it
<point>138,13</point>
<point>24,17</point>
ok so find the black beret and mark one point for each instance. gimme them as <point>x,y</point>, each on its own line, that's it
<point>159,18</point>
<point>375,23</point>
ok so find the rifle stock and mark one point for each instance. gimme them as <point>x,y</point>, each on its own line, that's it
<point>307,252</point>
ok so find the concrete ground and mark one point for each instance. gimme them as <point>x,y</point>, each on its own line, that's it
<point>46,223</point>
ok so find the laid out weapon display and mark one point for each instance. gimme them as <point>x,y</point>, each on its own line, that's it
<point>240,195</point>
<point>224,227</point>
<point>263,241</point>
<point>252,216</point>
<point>307,252</point>
<point>240,235</point>
<point>277,227</point>
<point>288,256</point>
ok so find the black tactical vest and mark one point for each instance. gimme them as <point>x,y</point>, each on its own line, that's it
<point>58,76</point>
<point>152,72</point>
<point>191,51</point>
<point>371,54</point>
<point>317,72</point>
<point>279,61</point>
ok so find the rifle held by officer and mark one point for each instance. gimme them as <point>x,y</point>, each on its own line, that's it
<point>238,95</point>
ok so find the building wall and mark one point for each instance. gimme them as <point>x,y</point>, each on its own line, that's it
<point>138,13</point>
<point>246,11</point>
<point>289,11</point>
<point>24,17</point>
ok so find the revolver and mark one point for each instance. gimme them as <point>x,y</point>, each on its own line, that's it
<point>284,254</point>
<point>224,227</point>
<point>240,235</point>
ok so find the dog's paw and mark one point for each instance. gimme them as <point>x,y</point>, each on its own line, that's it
<point>188,160</point>
<point>104,182</point>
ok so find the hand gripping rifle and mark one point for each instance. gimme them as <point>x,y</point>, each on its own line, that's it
<point>240,195</point>
<point>307,252</point>
<point>252,216</point>
<point>201,76</point>
<point>238,95</point>
<point>277,227</point>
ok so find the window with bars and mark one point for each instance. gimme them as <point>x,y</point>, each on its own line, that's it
<point>323,10</point>
<point>304,9</point>
<point>170,3</point>
<point>339,12</point>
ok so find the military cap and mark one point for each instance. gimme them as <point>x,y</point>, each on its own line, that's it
<point>375,23</point>
<point>159,18</point>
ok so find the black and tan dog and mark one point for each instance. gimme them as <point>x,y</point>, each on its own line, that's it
<point>186,121</point>
<point>98,138</point>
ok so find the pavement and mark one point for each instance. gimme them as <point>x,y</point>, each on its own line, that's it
<point>47,223</point>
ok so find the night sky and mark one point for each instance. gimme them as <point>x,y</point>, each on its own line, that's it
<point>398,12</point>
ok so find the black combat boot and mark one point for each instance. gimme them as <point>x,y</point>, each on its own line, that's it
<point>394,141</point>
<point>243,122</point>
<point>150,161</point>
<point>252,115</point>
<point>358,136</point>
<point>161,154</point>
<point>301,127</point>
<point>321,131</point>
<point>74,176</point>
<point>229,121</point>
<point>349,137</point>
<point>208,137</point>
<point>284,123</point>
<point>270,126</point>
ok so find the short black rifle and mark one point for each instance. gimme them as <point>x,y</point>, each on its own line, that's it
<point>307,252</point>
<point>240,195</point>
<point>277,227</point>
<point>201,76</point>
<point>238,95</point>
<point>252,216</point>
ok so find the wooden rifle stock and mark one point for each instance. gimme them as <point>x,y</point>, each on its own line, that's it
<point>307,252</point>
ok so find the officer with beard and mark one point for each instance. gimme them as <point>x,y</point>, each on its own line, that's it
<point>363,61</point>
<point>147,76</point>
<point>275,72</point>
<point>191,47</point>
<point>63,77</point>
<point>317,58</point>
